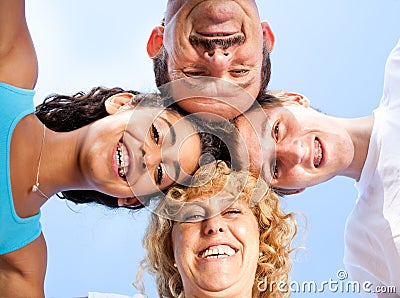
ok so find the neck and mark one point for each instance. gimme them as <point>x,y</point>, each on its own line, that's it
<point>359,130</point>
<point>58,169</point>
<point>229,292</point>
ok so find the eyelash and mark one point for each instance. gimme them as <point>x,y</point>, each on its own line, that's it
<point>275,170</point>
<point>155,135</point>
<point>193,73</point>
<point>276,131</point>
<point>193,218</point>
<point>232,211</point>
<point>239,72</point>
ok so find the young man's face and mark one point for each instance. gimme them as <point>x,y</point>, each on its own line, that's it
<point>218,38</point>
<point>298,146</point>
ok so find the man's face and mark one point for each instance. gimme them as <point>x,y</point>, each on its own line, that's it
<point>218,38</point>
<point>309,147</point>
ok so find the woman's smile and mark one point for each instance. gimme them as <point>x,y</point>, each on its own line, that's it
<point>217,252</point>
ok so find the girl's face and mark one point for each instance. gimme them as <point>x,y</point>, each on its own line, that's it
<point>139,151</point>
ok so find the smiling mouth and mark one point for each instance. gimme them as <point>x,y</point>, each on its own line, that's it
<point>318,153</point>
<point>122,158</point>
<point>216,252</point>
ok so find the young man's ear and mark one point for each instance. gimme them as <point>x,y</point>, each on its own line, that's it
<point>155,42</point>
<point>299,98</point>
<point>114,103</point>
<point>268,36</point>
<point>131,201</point>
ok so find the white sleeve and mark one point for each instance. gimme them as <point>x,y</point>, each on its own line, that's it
<point>391,89</point>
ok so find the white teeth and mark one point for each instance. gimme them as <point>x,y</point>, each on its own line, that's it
<point>122,158</point>
<point>318,153</point>
<point>220,251</point>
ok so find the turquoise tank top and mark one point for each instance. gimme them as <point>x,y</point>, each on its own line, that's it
<point>15,232</point>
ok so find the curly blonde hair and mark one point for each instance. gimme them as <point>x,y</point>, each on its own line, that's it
<point>277,230</point>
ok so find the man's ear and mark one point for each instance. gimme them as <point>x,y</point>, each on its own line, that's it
<point>131,201</point>
<point>155,42</point>
<point>114,103</point>
<point>299,98</point>
<point>268,36</point>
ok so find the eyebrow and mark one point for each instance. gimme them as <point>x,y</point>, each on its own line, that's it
<point>172,130</point>
<point>264,131</point>
<point>177,167</point>
<point>264,127</point>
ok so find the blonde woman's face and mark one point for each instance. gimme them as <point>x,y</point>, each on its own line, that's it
<point>216,253</point>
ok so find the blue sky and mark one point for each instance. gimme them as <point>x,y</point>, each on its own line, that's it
<point>332,51</point>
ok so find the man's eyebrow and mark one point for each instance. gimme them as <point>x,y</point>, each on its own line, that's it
<point>264,132</point>
<point>177,167</point>
<point>264,126</point>
<point>171,129</point>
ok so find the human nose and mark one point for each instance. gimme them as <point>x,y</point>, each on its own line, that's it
<point>151,157</point>
<point>214,225</point>
<point>219,60</point>
<point>290,152</point>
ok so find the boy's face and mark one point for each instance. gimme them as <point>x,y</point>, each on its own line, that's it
<point>298,146</point>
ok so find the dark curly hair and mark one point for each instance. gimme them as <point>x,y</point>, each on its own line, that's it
<point>64,113</point>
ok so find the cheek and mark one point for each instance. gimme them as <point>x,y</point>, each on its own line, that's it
<point>189,154</point>
<point>249,232</point>
<point>178,240</point>
<point>255,88</point>
<point>143,185</point>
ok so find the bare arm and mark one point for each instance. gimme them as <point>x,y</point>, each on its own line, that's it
<point>18,61</point>
<point>22,272</point>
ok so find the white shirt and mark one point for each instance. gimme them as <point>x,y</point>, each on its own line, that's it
<point>372,233</point>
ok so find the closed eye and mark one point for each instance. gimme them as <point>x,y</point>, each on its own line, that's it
<point>193,213</point>
<point>239,72</point>
<point>232,212</point>
<point>193,218</point>
<point>193,73</point>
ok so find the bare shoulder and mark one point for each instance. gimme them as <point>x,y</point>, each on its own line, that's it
<point>22,272</point>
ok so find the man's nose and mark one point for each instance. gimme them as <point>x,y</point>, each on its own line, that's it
<point>219,60</point>
<point>290,152</point>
